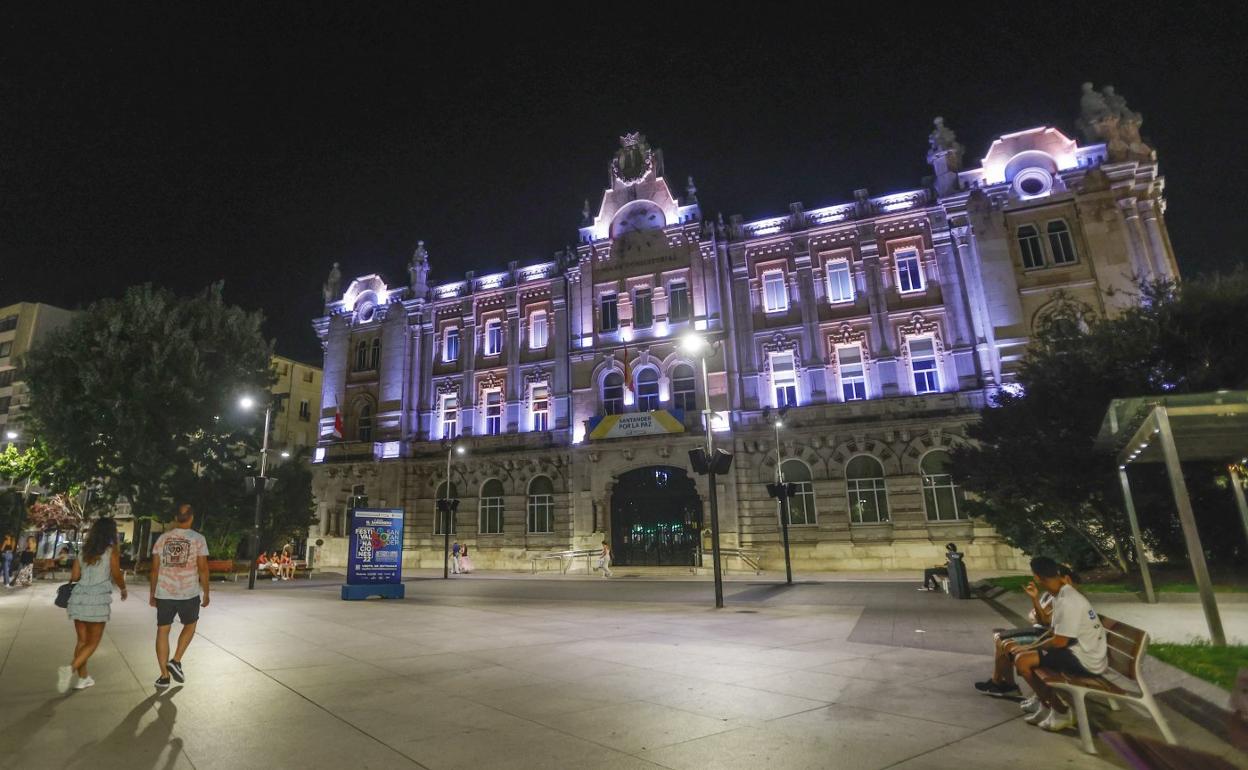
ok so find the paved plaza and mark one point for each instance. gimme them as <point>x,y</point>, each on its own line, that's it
<point>520,672</point>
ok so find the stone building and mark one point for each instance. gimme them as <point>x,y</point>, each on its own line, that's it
<point>880,325</point>
<point>297,419</point>
<point>22,327</point>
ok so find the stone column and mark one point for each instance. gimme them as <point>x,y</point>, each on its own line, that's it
<point>1152,225</point>
<point>954,297</point>
<point>813,365</point>
<point>334,382</point>
<point>515,333</point>
<point>561,386</point>
<point>1135,240</point>
<point>981,320</point>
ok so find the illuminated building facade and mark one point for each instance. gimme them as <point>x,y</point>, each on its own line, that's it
<point>882,324</point>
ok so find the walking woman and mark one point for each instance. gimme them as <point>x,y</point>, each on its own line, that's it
<point>94,574</point>
<point>6,562</point>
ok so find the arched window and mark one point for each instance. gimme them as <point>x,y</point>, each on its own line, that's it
<point>1060,244</point>
<point>868,497</point>
<point>364,423</point>
<point>683,394</point>
<point>802,504</point>
<point>440,520</point>
<point>361,356</point>
<point>941,497</point>
<point>491,507</point>
<point>375,360</point>
<point>613,393</point>
<point>1029,245</point>
<point>647,390</point>
<point>541,505</point>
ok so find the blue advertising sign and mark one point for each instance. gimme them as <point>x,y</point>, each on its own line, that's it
<point>376,554</point>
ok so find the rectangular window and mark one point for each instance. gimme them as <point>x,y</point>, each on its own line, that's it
<point>610,313</point>
<point>783,380</point>
<point>537,331</point>
<point>4,404</point>
<point>853,377</point>
<point>678,301</point>
<point>909,270</point>
<point>450,344</point>
<point>683,395</point>
<point>648,392</point>
<point>1060,245</point>
<point>8,323</point>
<point>541,513</point>
<point>491,510</point>
<point>802,504</point>
<point>6,377</point>
<point>307,376</point>
<point>493,337</point>
<point>643,309</point>
<point>541,408</point>
<point>5,348</point>
<point>493,412</point>
<point>305,411</point>
<point>450,416</point>
<point>1029,245</point>
<point>840,283</point>
<point>923,365</point>
<point>775,295</point>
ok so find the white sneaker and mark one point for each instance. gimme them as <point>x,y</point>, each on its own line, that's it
<point>1039,716</point>
<point>1031,705</point>
<point>63,675</point>
<point>1056,722</point>
<point>84,683</point>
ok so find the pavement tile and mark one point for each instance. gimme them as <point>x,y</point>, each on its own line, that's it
<point>636,727</point>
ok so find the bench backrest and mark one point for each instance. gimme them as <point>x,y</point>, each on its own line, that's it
<point>1126,646</point>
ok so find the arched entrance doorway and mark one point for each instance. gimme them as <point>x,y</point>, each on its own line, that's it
<point>656,515</point>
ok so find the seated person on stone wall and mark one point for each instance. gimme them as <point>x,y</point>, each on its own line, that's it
<point>1007,640</point>
<point>941,570</point>
<point>1076,645</point>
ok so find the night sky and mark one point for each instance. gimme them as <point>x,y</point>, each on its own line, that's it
<point>259,148</point>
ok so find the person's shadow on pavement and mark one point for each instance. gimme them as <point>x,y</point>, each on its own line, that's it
<point>126,738</point>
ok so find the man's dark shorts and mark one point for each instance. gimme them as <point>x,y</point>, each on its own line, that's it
<point>1062,660</point>
<point>187,611</point>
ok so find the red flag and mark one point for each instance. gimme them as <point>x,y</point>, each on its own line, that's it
<point>337,423</point>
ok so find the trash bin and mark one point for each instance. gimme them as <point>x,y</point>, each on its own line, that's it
<point>959,586</point>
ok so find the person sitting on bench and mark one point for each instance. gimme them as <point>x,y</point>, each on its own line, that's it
<point>929,575</point>
<point>1076,645</point>
<point>1006,640</point>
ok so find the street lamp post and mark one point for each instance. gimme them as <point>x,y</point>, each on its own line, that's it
<point>247,402</point>
<point>783,491</point>
<point>447,508</point>
<point>696,344</point>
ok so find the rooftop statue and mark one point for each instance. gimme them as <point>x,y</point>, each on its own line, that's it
<point>333,285</point>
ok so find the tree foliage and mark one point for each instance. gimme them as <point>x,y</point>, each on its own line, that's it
<point>1036,474</point>
<point>136,394</point>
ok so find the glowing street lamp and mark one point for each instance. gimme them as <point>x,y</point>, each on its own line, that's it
<point>706,460</point>
<point>11,435</point>
<point>247,403</point>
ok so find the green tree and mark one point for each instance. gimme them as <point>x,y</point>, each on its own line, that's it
<point>137,393</point>
<point>1034,470</point>
<point>289,508</point>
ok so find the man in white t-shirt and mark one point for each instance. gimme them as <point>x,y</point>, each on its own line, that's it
<point>179,588</point>
<point>1076,645</point>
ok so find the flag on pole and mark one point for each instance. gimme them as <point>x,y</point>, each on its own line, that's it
<point>628,372</point>
<point>337,423</point>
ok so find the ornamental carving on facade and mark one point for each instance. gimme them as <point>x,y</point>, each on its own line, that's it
<point>846,335</point>
<point>490,381</point>
<point>779,343</point>
<point>536,376</point>
<point>447,388</point>
<point>634,161</point>
<point>918,326</point>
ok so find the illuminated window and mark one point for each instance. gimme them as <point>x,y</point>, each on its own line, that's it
<point>868,496</point>
<point>541,505</point>
<point>909,270</point>
<point>1060,245</point>
<point>678,301</point>
<point>450,416</point>
<point>643,309</point>
<point>923,365</point>
<point>493,337</point>
<point>941,497</point>
<point>610,313</point>
<point>1029,245</point>
<point>775,295</point>
<point>490,507</point>
<point>802,504</point>
<point>613,393</point>
<point>493,412</point>
<point>840,284</point>
<point>450,344</point>
<point>783,380</point>
<point>853,376</point>
<point>541,408</point>
<point>684,395</point>
<point>647,390</point>
<point>364,424</point>
<point>537,330</point>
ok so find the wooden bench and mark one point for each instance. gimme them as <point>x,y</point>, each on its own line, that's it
<point>1126,650</point>
<point>244,568</point>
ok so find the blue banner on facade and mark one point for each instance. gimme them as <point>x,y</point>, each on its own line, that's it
<point>376,554</point>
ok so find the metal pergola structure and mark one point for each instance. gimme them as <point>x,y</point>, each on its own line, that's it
<point>1170,429</point>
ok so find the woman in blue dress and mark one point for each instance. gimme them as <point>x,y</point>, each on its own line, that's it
<point>95,572</point>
